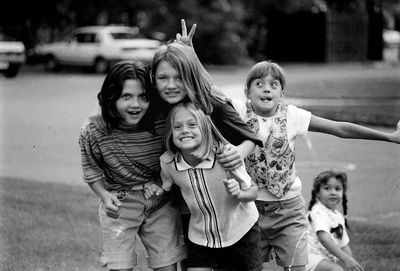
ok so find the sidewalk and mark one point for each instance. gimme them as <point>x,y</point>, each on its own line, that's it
<point>367,93</point>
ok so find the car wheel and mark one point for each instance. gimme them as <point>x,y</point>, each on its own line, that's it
<point>12,71</point>
<point>100,65</point>
<point>51,63</point>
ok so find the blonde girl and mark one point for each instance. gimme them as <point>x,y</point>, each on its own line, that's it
<point>223,230</point>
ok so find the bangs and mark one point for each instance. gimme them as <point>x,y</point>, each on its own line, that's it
<point>263,69</point>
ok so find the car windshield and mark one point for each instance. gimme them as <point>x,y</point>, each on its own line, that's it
<point>125,35</point>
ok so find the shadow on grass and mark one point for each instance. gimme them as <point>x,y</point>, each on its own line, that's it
<point>47,226</point>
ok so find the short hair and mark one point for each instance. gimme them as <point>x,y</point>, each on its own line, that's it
<point>185,61</point>
<point>211,140</point>
<point>265,68</point>
<point>112,88</point>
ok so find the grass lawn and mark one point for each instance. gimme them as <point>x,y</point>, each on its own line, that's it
<point>46,226</point>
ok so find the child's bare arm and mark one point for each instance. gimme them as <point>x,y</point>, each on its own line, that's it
<point>234,189</point>
<point>348,260</point>
<point>351,130</point>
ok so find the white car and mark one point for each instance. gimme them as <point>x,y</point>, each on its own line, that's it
<point>98,47</point>
<point>12,56</point>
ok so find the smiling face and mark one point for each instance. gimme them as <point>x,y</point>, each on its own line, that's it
<point>132,105</point>
<point>169,83</point>
<point>265,94</point>
<point>186,133</point>
<point>331,193</point>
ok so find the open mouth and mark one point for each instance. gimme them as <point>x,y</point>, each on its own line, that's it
<point>266,99</point>
<point>186,138</point>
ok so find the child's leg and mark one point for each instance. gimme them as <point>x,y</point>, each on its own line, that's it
<point>119,235</point>
<point>161,234</point>
<point>284,227</point>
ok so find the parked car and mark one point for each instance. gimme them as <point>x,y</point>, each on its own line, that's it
<point>12,55</point>
<point>97,47</point>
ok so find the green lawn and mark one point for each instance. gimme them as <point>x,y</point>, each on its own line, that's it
<point>46,226</point>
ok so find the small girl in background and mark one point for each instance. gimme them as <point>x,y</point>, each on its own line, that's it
<point>223,229</point>
<point>120,150</point>
<point>328,242</point>
<point>280,203</point>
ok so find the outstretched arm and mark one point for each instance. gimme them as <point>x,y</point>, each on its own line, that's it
<point>349,262</point>
<point>351,130</point>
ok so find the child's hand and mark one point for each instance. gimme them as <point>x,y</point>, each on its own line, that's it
<point>112,203</point>
<point>184,38</point>
<point>353,265</point>
<point>229,157</point>
<point>153,190</point>
<point>232,187</point>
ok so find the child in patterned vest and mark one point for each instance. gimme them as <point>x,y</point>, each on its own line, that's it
<point>280,204</point>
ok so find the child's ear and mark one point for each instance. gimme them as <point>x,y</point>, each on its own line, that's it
<point>246,92</point>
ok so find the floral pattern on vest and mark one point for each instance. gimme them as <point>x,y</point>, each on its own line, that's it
<point>273,165</point>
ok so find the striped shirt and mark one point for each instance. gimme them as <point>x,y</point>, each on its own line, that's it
<point>216,218</point>
<point>120,158</point>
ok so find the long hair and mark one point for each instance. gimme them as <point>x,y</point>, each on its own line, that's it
<point>211,137</point>
<point>265,68</point>
<point>112,88</point>
<point>195,81</point>
<point>322,179</point>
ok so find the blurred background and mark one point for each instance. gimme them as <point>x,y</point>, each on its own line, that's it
<point>230,32</point>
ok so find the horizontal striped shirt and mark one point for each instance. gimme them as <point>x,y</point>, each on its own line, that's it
<point>120,158</point>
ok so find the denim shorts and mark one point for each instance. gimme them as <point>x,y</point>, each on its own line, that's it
<point>283,227</point>
<point>244,255</point>
<point>155,221</point>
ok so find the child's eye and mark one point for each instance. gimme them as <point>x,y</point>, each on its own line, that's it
<point>259,84</point>
<point>192,124</point>
<point>275,84</point>
<point>161,77</point>
<point>179,78</point>
<point>125,96</point>
<point>176,126</point>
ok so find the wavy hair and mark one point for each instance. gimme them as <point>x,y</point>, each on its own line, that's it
<point>195,80</point>
<point>112,88</point>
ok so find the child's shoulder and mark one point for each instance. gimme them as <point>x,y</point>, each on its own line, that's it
<point>167,157</point>
<point>94,122</point>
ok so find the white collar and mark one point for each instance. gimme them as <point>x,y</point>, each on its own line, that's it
<point>182,165</point>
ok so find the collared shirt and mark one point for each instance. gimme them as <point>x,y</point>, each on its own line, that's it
<point>217,219</point>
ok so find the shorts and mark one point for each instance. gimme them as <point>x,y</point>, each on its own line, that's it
<point>155,221</point>
<point>244,255</point>
<point>313,261</point>
<point>283,227</point>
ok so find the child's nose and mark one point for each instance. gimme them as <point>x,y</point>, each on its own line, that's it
<point>171,83</point>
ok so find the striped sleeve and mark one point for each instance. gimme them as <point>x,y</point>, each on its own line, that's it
<point>90,158</point>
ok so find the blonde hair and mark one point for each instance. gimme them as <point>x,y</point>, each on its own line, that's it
<point>212,138</point>
<point>196,82</point>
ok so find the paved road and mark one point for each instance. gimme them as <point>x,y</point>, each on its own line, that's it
<point>41,114</point>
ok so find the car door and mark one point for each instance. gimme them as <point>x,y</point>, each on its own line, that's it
<point>86,49</point>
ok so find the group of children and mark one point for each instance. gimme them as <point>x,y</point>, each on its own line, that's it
<point>168,126</point>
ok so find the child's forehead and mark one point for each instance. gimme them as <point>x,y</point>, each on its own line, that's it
<point>334,181</point>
